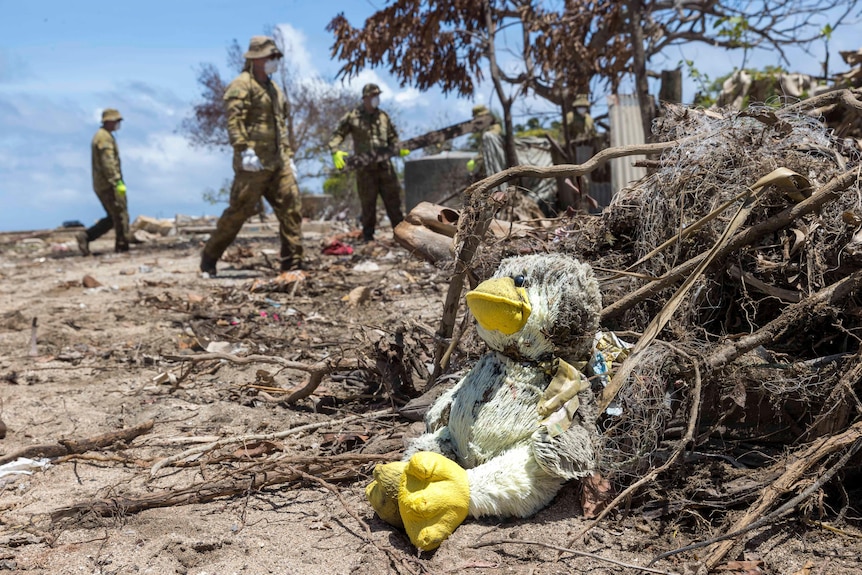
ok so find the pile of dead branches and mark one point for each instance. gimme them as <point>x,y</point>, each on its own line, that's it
<point>734,268</point>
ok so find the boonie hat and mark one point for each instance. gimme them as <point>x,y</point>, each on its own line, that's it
<point>479,110</point>
<point>581,100</point>
<point>370,89</point>
<point>262,47</point>
<point>111,115</point>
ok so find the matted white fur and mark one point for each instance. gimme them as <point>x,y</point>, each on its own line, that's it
<point>489,422</point>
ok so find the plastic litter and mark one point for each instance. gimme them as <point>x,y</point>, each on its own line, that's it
<point>22,466</point>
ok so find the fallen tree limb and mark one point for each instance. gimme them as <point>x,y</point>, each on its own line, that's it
<point>828,192</point>
<point>835,413</point>
<point>794,466</point>
<point>316,371</point>
<point>792,315</point>
<point>789,296</point>
<point>72,446</point>
<point>242,439</point>
<point>664,315</point>
<point>850,98</point>
<point>477,215</point>
<point>251,479</point>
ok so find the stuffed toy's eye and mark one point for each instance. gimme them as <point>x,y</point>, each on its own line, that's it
<point>520,281</point>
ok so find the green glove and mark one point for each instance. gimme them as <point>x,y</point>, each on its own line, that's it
<point>120,188</point>
<point>403,152</point>
<point>471,165</point>
<point>338,159</point>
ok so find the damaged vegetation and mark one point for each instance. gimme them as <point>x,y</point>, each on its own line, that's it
<point>733,269</point>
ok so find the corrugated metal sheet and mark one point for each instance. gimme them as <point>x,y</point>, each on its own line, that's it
<point>626,130</point>
<point>599,191</point>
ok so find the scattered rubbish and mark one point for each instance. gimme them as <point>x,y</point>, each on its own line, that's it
<point>219,347</point>
<point>64,247</point>
<point>337,248</point>
<point>285,282</point>
<point>366,266</point>
<point>357,295</point>
<point>165,377</point>
<point>31,244</point>
<point>90,282</point>
<point>152,226</point>
<point>22,466</point>
<point>608,350</point>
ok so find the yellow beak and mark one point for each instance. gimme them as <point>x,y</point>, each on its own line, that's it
<point>498,305</point>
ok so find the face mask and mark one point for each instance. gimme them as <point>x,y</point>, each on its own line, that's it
<point>270,67</point>
<point>375,102</point>
<point>117,126</point>
<point>582,110</point>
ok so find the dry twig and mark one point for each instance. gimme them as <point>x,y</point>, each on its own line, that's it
<point>316,371</point>
<point>238,439</point>
<point>73,446</point>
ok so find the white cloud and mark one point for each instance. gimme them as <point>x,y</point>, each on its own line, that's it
<point>168,152</point>
<point>295,54</point>
<point>410,97</point>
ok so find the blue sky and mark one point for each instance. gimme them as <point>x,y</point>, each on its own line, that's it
<point>62,61</point>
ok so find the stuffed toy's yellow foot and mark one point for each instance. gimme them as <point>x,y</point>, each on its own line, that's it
<point>434,497</point>
<point>382,493</point>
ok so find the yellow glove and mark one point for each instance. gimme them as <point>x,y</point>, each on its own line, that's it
<point>120,188</point>
<point>403,152</point>
<point>433,498</point>
<point>471,165</point>
<point>382,493</point>
<point>338,159</point>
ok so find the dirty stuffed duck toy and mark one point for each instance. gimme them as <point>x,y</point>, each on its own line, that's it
<point>504,440</point>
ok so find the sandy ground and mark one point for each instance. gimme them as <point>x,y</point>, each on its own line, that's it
<point>105,360</point>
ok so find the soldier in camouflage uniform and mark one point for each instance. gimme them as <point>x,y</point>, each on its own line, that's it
<point>108,185</point>
<point>372,131</point>
<point>580,123</point>
<point>262,161</point>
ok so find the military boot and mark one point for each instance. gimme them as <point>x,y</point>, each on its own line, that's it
<point>208,265</point>
<point>83,243</point>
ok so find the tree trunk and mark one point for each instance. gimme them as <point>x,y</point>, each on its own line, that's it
<point>496,78</point>
<point>671,86</point>
<point>635,9</point>
<point>509,136</point>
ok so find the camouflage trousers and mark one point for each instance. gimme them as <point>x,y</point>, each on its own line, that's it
<point>379,178</point>
<point>117,219</point>
<point>280,190</point>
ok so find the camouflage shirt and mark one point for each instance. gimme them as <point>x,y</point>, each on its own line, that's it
<point>371,132</point>
<point>105,160</point>
<point>580,127</point>
<point>255,119</point>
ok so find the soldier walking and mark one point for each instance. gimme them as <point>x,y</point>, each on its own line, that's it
<point>262,162</point>
<point>580,122</point>
<point>372,132</point>
<point>108,185</point>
